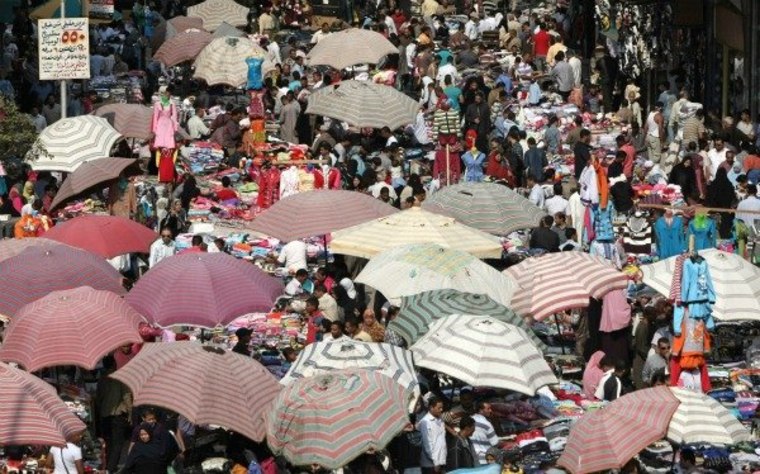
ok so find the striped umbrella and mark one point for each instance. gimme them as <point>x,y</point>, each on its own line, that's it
<point>89,175</point>
<point>410,269</point>
<point>215,12</point>
<point>107,236</point>
<point>319,213</point>
<point>701,419</point>
<point>182,47</point>
<point>70,327</point>
<point>331,419</point>
<point>483,352</point>
<point>208,386</point>
<point>223,61</point>
<point>172,27</point>
<point>489,207</point>
<point>324,357</point>
<point>12,247</point>
<point>560,281</point>
<point>419,311</point>
<point>225,29</point>
<point>31,412</point>
<point>69,142</point>
<point>350,47</point>
<point>40,270</point>
<point>736,282</point>
<point>131,120</point>
<point>413,226</point>
<point>609,437</point>
<point>364,104</point>
<point>202,289</point>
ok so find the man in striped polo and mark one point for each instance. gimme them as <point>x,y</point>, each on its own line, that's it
<point>484,436</point>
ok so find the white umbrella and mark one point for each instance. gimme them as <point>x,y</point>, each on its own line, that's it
<point>411,269</point>
<point>483,352</point>
<point>413,226</point>
<point>69,142</point>
<point>736,282</point>
<point>701,419</point>
<point>223,61</point>
<point>215,12</point>
<point>350,47</point>
<point>322,357</point>
<point>364,104</point>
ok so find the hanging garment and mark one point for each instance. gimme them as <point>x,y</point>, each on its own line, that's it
<point>589,187</point>
<point>473,163</point>
<point>692,343</point>
<point>616,312</point>
<point>334,179</point>
<point>306,181</point>
<point>256,109</point>
<point>675,283</point>
<point>454,162</point>
<point>697,291</point>
<point>637,235</point>
<point>704,231</point>
<point>694,381</point>
<point>289,182</point>
<point>269,188</point>
<point>165,158</point>
<point>671,240</point>
<point>603,228</point>
<point>601,183</point>
<point>609,250</point>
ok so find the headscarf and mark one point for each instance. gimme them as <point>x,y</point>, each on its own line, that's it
<point>28,191</point>
<point>348,285</point>
<point>720,193</point>
<point>153,450</point>
<point>593,374</point>
<point>375,330</point>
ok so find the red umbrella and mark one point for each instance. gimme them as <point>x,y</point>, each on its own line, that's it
<point>40,270</point>
<point>70,327</point>
<point>107,236</point>
<point>319,213</point>
<point>31,412</point>
<point>203,289</point>
<point>89,174</point>
<point>183,47</point>
<point>610,437</point>
<point>131,120</point>
<point>12,247</point>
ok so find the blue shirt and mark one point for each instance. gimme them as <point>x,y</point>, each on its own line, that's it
<point>453,93</point>
<point>534,93</point>
<point>506,81</point>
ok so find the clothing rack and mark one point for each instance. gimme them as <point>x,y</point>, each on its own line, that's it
<point>695,208</point>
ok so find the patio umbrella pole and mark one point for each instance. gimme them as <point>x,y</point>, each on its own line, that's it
<point>448,167</point>
<point>559,333</point>
<point>324,241</point>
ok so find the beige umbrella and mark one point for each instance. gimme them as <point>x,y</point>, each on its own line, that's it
<point>131,120</point>
<point>223,61</point>
<point>183,47</point>
<point>350,47</point>
<point>413,226</point>
<point>168,29</point>
<point>216,12</point>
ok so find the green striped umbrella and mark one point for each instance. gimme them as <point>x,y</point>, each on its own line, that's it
<point>488,207</point>
<point>331,419</point>
<point>420,311</point>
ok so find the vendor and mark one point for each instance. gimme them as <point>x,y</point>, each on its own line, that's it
<point>243,340</point>
<point>226,193</point>
<point>293,256</point>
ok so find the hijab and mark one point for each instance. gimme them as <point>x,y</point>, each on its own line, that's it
<point>189,191</point>
<point>721,193</point>
<point>592,374</point>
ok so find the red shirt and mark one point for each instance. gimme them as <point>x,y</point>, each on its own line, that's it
<point>630,156</point>
<point>225,194</point>
<point>541,43</point>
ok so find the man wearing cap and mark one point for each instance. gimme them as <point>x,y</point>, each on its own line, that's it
<point>244,338</point>
<point>655,132</point>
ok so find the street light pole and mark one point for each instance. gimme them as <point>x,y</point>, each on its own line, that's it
<point>64,91</point>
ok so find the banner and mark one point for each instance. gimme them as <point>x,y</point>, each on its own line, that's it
<point>64,49</point>
<point>100,9</point>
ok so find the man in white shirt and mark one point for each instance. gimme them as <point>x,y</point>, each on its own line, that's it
<point>471,29</point>
<point>321,34</point>
<point>68,459</point>
<point>610,386</point>
<point>327,303</point>
<point>38,120</point>
<point>379,185</point>
<point>161,248</point>
<point>556,203</point>
<point>484,436</point>
<point>536,195</point>
<point>576,66</point>
<point>195,126</point>
<point>293,256</point>
<point>750,203</point>
<point>336,333</point>
<point>433,432</point>
<point>715,158</point>
<point>295,285</point>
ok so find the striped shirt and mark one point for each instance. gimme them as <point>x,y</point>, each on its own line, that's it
<point>484,437</point>
<point>446,122</point>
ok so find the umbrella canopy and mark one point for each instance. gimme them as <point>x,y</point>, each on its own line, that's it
<point>131,120</point>
<point>609,437</point>
<point>413,226</point>
<point>559,281</point>
<point>207,386</point>
<point>364,104</point>
<point>88,175</point>
<point>215,12</point>
<point>72,141</point>
<point>350,47</point>
<point>736,282</point>
<point>174,26</point>
<point>70,327</point>
<point>323,357</point>
<point>31,412</point>
<point>183,47</point>
<point>223,61</point>
<point>331,419</point>
<point>489,207</point>
<point>483,352</point>
<point>42,269</point>
<point>701,419</point>
<point>319,213</point>
<point>107,236</point>
<point>202,289</point>
<point>419,311</point>
<point>12,247</point>
<point>225,29</point>
<point>410,269</point>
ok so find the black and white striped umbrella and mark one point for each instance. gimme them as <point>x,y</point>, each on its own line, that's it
<point>69,142</point>
<point>364,104</point>
<point>350,47</point>
<point>701,419</point>
<point>483,352</point>
<point>215,12</point>
<point>223,61</point>
<point>322,357</point>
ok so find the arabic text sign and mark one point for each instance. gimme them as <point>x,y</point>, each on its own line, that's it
<point>64,48</point>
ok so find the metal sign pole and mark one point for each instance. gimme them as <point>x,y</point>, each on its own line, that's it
<point>64,90</point>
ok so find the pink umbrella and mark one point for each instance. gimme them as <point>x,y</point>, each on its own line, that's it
<point>107,236</point>
<point>12,247</point>
<point>70,327</point>
<point>203,289</point>
<point>31,412</point>
<point>131,120</point>
<point>40,270</point>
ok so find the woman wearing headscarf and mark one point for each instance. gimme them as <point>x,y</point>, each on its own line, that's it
<point>148,455</point>
<point>683,175</point>
<point>189,192</point>
<point>721,193</point>
<point>593,374</point>
<point>371,326</point>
